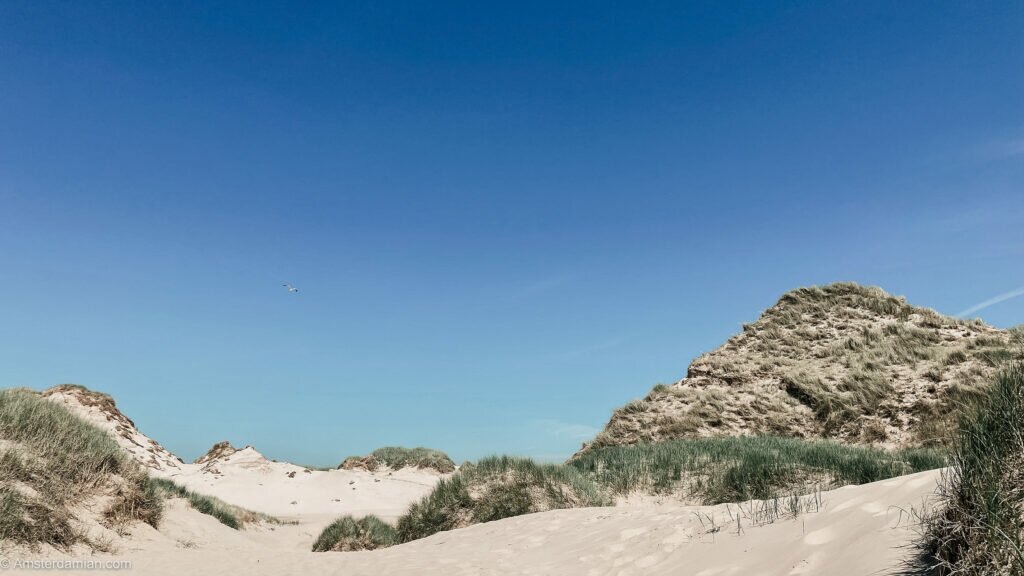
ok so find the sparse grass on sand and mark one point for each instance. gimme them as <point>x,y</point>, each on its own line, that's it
<point>50,462</point>
<point>227,514</point>
<point>708,471</point>
<point>348,534</point>
<point>717,470</point>
<point>977,531</point>
<point>495,488</point>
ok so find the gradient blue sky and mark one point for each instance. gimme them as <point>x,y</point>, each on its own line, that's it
<point>505,219</point>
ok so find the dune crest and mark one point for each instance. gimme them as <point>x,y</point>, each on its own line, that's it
<point>100,410</point>
<point>841,361</point>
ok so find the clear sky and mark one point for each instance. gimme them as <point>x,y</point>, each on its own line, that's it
<point>505,219</point>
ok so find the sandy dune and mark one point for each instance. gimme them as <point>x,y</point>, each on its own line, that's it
<point>248,479</point>
<point>291,492</point>
<point>859,531</point>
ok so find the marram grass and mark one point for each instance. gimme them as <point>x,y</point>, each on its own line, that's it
<point>347,534</point>
<point>50,461</point>
<point>732,469</point>
<point>977,529</point>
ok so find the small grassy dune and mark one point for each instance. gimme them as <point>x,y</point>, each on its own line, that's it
<point>495,488</point>
<point>51,461</point>
<point>978,532</point>
<point>398,457</point>
<point>348,534</point>
<point>717,470</point>
<point>227,514</point>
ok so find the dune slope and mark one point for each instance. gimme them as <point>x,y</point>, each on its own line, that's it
<point>842,361</point>
<point>859,531</point>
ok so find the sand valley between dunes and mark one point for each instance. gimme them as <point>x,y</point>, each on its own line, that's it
<point>859,531</point>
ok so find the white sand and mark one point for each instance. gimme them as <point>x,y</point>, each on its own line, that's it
<point>859,531</point>
<point>308,499</point>
<point>291,492</point>
<point>248,479</point>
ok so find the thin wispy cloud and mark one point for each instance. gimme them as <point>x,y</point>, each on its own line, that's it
<point>590,350</point>
<point>1013,148</point>
<point>517,292</point>
<point>538,287</point>
<point>566,430</point>
<point>992,302</point>
<point>1002,149</point>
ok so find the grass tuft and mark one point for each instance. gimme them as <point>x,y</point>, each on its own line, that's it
<point>398,457</point>
<point>347,534</point>
<point>978,531</point>
<point>495,488</point>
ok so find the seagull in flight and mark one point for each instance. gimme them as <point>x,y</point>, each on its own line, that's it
<point>291,288</point>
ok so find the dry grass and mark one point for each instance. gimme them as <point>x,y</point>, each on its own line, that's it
<point>716,470</point>
<point>398,457</point>
<point>51,461</point>
<point>348,534</point>
<point>496,488</point>
<point>840,361</point>
<point>978,530</point>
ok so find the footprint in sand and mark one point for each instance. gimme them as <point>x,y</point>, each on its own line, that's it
<point>848,504</point>
<point>535,541</point>
<point>632,533</point>
<point>810,565</point>
<point>648,561</point>
<point>678,538</point>
<point>874,508</point>
<point>819,537</point>
<point>723,571</point>
<point>922,481</point>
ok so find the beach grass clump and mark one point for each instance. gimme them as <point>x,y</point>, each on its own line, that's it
<point>348,534</point>
<point>52,461</point>
<point>398,457</point>
<point>227,514</point>
<point>977,531</point>
<point>498,487</point>
<point>733,469</point>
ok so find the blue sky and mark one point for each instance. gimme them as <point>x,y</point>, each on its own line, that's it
<point>505,219</point>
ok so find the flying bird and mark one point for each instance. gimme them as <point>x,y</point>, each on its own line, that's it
<point>291,288</point>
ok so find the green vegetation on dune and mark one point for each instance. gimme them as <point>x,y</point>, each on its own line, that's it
<point>51,461</point>
<point>716,470</point>
<point>840,361</point>
<point>227,514</point>
<point>348,534</point>
<point>398,457</point>
<point>978,531</point>
<point>495,488</point>
<point>708,471</point>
